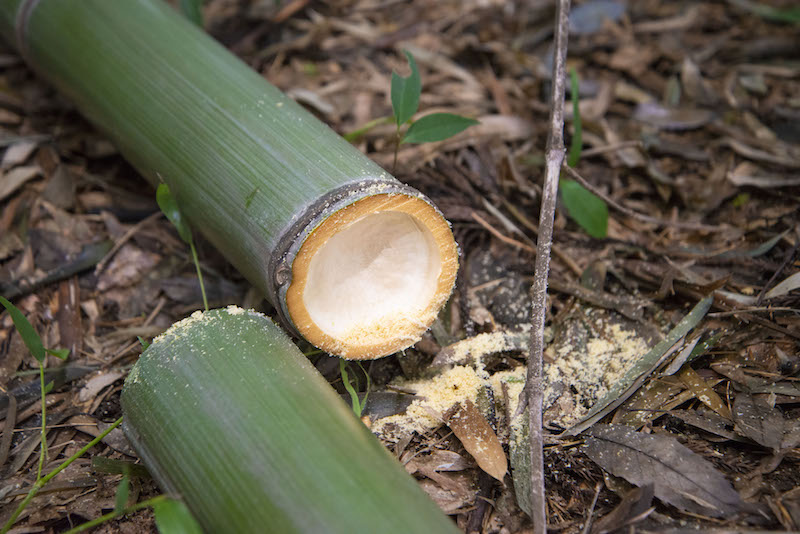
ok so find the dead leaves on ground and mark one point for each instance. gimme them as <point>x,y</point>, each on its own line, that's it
<point>679,476</point>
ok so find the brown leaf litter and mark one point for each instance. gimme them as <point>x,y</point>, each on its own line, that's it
<point>690,127</point>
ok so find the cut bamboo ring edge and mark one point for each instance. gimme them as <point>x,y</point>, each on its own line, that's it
<point>389,334</point>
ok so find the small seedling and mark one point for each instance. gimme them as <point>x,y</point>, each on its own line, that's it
<point>405,93</point>
<point>37,350</point>
<point>405,102</point>
<point>169,206</point>
<point>585,208</point>
<point>358,405</point>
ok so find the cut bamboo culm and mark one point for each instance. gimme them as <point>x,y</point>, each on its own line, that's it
<point>227,413</point>
<point>353,260</point>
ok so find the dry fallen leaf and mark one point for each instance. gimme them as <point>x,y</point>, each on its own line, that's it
<point>470,426</point>
<point>679,476</point>
<point>765,424</point>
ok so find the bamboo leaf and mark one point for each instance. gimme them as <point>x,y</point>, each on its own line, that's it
<point>586,209</point>
<point>437,127</point>
<point>169,206</point>
<point>193,10</point>
<point>679,476</point>
<point>26,331</point>
<point>173,517</point>
<point>405,92</point>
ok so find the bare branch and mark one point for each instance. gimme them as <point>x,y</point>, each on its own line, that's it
<point>554,159</point>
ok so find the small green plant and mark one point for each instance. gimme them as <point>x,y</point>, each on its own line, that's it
<point>169,206</point>
<point>405,102</point>
<point>405,93</point>
<point>585,208</point>
<point>358,404</point>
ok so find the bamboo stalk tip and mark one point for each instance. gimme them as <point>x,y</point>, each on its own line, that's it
<point>371,278</point>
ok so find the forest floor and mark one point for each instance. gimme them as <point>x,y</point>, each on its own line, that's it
<point>690,116</point>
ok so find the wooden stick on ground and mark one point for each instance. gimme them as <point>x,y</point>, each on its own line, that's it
<point>554,157</point>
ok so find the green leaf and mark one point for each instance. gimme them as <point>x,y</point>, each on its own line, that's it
<point>123,490</point>
<point>169,206</point>
<point>26,331</point>
<point>437,127</point>
<point>586,209</point>
<point>193,10</point>
<point>143,342</point>
<point>577,142</point>
<point>405,93</point>
<point>48,388</point>
<point>357,408</point>
<point>789,14</point>
<point>58,353</point>
<point>173,517</point>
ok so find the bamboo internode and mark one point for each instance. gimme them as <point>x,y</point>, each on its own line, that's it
<point>264,180</point>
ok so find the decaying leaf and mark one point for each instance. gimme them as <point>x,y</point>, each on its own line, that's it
<point>652,401</point>
<point>706,420</point>
<point>679,476</point>
<point>470,426</point>
<point>636,505</point>
<point>672,118</point>
<point>704,392</point>
<point>765,424</point>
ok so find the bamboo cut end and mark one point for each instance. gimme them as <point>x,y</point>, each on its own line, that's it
<point>371,278</point>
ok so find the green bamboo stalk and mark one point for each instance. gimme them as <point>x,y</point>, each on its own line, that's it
<point>261,177</point>
<point>226,412</point>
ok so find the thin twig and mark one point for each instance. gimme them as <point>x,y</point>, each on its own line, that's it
<point>587,528</point>
<point>635,214</point>
<point>554,158</point>
<point>495,232</point>
<point>786,261</point>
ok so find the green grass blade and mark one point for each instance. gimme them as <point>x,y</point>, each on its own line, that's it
<point>405,93</point>
<point>357,409</point>
<point>26,331</point>
<point>437,127</point>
